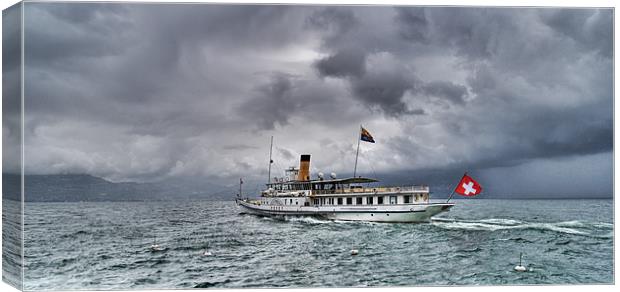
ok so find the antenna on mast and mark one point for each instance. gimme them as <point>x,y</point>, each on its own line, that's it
<point>270,161</point>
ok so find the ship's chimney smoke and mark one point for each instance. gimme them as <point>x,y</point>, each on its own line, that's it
<point>304,168</point>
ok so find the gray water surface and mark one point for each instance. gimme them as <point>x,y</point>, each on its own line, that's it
<point>106,246</point>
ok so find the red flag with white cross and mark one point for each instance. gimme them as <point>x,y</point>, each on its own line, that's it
<point>468,187</point>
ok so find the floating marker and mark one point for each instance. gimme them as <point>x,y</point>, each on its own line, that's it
<point>206,252</point>
<point>354,252</point>
<point>156,247</point>
<point>520,267</point>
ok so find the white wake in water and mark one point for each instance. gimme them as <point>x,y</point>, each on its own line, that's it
<point>309,220</point>
<point>574,227</point>
<point>314,220</point>
<point>494,224</point>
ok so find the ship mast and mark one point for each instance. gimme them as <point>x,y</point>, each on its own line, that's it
<point>358,150</point>
<point>240,185</point>
<point>270,161</point>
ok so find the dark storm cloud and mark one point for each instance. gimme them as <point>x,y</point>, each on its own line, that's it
<point>414,24</point>
<point>384,85</point>
<point>517,134</point>
<point>379,89</point>
<point>592,29</point>
<point>11,35</point>
<point>133,54</point>
<point>81,30</point>
<point>150,91</point>
<point>272,104</point>
<point>384,90</point>
<point>343,64</point>
<point>505,122</point>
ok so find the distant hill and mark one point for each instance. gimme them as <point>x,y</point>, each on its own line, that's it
<point>83,187</point>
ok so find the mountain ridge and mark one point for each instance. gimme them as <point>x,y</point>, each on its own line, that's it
<point>85,187</point>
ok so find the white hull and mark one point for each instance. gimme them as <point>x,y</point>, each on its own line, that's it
<point>372,213</point>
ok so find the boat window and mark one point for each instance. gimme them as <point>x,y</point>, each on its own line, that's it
<point>417,198</point>
<point>291,201</point>
<point>393,200</point>
<point>339,201</point>
<point>407,199</point>
<point>358,201</point>
<point>349,201</point>
<point>306,204</point>
<point>296,203</point>
<point>368,200</point>
<point>380,200</point>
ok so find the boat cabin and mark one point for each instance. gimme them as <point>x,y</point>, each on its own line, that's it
<point>296,188</point>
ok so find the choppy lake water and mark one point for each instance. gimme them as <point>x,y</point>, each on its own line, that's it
<point>106,246</point>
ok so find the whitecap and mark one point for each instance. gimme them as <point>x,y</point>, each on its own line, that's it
<point>305,219</point>
<point>495,224</point>
<point>501,221</point>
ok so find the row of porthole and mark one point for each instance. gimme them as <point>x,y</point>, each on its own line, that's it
<point>371,214</point>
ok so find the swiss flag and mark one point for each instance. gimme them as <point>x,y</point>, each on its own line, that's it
<point>468,187</point>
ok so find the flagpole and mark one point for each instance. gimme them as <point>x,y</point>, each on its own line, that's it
<point>270,161</point>
<point>457,185</point>
<point>358,150</point>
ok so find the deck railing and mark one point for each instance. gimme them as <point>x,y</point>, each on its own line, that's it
<point>423,189</point>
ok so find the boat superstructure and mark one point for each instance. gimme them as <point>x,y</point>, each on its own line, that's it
<point>296,194</point>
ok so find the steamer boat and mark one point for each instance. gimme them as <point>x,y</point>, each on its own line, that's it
<point>350,199</point>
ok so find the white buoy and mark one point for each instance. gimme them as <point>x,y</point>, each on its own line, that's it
<point>354,252</point>
<point>206,252</point>
<point>520,267</point>
<point>156,247</point>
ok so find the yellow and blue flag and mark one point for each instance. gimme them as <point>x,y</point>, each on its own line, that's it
<point>365,136</point>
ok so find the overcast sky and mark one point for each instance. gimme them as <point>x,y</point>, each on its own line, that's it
<point>519,97</point>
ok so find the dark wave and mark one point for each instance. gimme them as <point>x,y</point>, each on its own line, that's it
<point>211,284</point>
